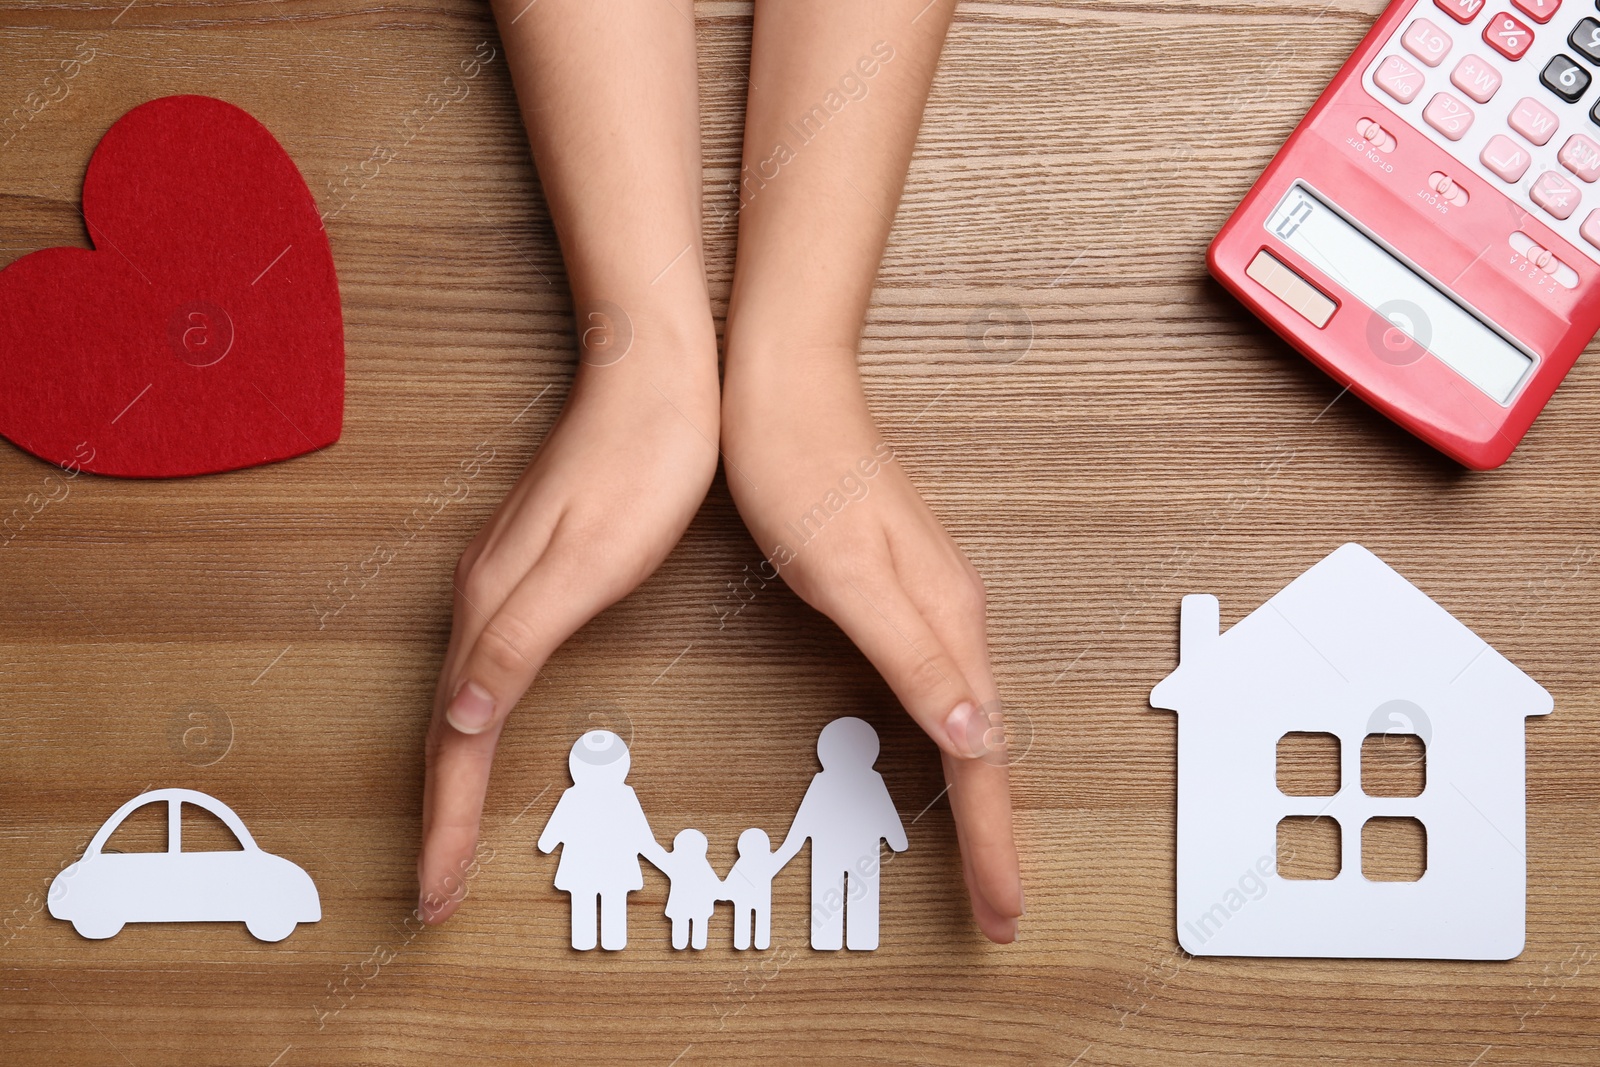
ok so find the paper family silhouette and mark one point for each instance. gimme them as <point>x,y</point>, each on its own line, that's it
<point>602,831</point>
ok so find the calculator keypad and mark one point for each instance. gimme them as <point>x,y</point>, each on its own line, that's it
<point>1508,88</point>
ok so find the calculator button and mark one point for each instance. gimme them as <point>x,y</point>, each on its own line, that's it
<point>1591,228</point>
<point>1502,156</point>
<point>1448,115</point>
<point>1463,11</point>
<point>1504,34</point>
<point>1538,10</point>
<point>1534,121</point>
<point>1476,78</point>
<point>1585,39</point>
<point>1555,194</point>
<point>1375,135</point>
<point>1429,43</point>
<point>1581,156</point>
<point>1564,77</point>
<point>1399,79</point>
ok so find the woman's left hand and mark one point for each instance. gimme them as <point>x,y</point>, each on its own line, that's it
<point>806,461</point>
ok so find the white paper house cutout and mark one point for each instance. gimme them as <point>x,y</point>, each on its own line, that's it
<point>1348,648</point>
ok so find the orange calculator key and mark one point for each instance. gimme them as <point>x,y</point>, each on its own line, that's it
<point>1508,36</point>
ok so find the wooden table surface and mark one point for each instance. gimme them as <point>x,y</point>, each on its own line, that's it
<point>1129,434</point>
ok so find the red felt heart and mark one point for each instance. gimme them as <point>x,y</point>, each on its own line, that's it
<point>203,331</point>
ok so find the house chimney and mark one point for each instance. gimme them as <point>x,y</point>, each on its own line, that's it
<point>1199,625</point>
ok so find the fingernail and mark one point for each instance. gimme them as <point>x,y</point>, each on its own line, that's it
<point>966,729</point>
<point>471,710</point>
<point>1016,932</point>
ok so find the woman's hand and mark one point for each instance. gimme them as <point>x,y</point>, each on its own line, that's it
<point>605,499</point>
<point>832,510</point>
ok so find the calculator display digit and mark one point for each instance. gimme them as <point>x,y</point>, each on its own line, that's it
<point>1373,275</point>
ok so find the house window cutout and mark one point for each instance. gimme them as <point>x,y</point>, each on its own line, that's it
<point>1393,849</point>
<point>1393,765</point>
<point>1308,764</point>
<point>1308,847</point>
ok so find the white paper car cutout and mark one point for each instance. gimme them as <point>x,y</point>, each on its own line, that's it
<point>105,890</point>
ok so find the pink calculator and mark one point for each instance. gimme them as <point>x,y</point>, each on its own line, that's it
<point>1429,235</point>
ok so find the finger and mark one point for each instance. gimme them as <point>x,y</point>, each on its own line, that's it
<point>493,581</point>
<point>950,595</point>
<point>458,778</point>
<point>980,800</point>
<point>558,595</point>
<point>892,633</point>
<point>543,611</point>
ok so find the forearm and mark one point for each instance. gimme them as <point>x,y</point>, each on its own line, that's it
<point>836,98</point>
<point>609,97</point>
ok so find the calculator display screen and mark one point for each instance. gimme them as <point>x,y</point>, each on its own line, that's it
<point>1374,276</point>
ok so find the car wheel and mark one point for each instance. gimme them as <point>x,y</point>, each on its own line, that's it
<point>97,929</point>
<point>270,929</point>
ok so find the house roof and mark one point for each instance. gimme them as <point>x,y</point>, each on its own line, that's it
<point>1353,619</point>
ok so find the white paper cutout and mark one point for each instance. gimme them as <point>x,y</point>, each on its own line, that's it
<point>846,815</point>
<point>695,889</point>
<point>749,888</point>
<point>602,832</point>
<point>104,890</point>
<point>1348,648</point>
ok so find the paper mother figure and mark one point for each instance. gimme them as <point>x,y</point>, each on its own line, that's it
<point>602,832</point>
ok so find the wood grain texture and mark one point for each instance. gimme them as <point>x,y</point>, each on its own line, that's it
<point>1137,436</point>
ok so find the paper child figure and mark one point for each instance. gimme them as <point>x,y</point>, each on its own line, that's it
<point>695,889</point>
<point>602,832</point>
<point>749,886</point>
<point>846,813</point>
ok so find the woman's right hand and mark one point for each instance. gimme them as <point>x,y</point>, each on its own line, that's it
<point>609,493</point>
